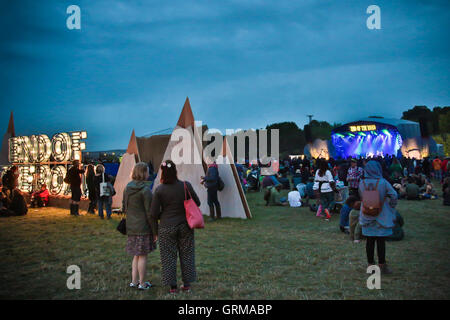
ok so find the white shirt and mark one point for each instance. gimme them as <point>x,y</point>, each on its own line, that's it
<point>327,177</point>
<point>294,199</point>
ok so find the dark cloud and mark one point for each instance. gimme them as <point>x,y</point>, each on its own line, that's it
<point>243,63</point>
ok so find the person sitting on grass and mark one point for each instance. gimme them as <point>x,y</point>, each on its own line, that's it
<point>297,177</point>
<point>355,227</point>
<point>412,190</point>
<point>429,193</point>
<point>344,214</point>
<point>397,231</point>
<point>40,198</point>
<point>275,198</point>
<point>310,194</point>
<point>294,198</point>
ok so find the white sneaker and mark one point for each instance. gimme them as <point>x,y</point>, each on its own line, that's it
<point>147,285</point>
<point>134,285</point>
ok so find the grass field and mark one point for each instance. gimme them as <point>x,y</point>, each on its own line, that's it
<point>282,253</point>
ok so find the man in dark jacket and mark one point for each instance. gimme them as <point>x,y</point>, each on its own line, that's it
<point>211,181</point>
<point>74,176</point>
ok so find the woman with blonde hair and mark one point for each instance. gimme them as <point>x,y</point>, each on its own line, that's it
<point>137,198</point>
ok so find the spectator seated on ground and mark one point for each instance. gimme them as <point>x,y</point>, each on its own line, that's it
<point>355,227</point>
<point>15,203</point>
<point>294,198</point>
<point>446,191</point>
<point>273,196</point>
<point>310,194</point>
<point>267,182</point>
<point>412,190</point>
<point>397,231</point>
<point>345,212</point>
<point>4,211</point>
<point>284,181</point>
<point>297,177</point>
<point>40,198</point>
<point>429,193</point>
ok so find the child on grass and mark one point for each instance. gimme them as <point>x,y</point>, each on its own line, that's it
<point>355,227</point>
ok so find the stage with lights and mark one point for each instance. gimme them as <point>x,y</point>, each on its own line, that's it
<point>366,139</point>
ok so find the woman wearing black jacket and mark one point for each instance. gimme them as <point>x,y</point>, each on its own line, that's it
<point>211,182</point>
<point>74,175</point>
<point>175,235</point>
<point>90,174</point>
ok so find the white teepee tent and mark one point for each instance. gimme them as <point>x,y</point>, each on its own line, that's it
<point>232,198</point>
<point>188,171</point>
<point>123,177</point>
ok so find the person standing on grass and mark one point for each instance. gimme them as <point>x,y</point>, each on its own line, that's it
<point>175,235</point>
<point>211,182</point>
<point>90,174</point>
<point>437,168</point>
<point>136,203</point>
<point>74,179</point>
<point>103,200</point>
<point>377,228</point>
<point>324,187</point>
<point>353,176</point>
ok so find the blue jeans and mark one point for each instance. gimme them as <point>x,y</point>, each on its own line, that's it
<point>437,175</point>
<point>344,216</point>
<point>107,201</point>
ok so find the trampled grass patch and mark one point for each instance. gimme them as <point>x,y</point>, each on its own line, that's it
<point>282,253</point>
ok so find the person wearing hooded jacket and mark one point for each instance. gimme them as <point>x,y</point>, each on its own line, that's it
<point>211,182</point>
<point>136,204</point>
<point>377,228</point>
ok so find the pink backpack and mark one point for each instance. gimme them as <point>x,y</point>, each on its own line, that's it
<point>194,216</point>
<point>371,204</point>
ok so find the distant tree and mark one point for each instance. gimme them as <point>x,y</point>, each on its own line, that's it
<point>322,129</point>
<point>292,138</point>
<point>430,118</point>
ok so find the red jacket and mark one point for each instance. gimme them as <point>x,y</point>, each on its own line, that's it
<point>44,195</point>
<point>444,165</point>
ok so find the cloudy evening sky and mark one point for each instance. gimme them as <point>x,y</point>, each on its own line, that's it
<point>243,63</point>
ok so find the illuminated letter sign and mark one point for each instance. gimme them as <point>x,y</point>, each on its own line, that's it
<point>367,127</point>
<point>41,160</point>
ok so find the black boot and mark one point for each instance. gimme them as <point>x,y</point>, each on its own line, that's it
<point>91,208</point>
<point>75,209</point>
<point>219,212</point>
<point>71,209</point>
<point>211,213</point>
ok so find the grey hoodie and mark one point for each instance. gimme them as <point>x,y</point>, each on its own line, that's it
<point>388,197</point>
<point>136,203</point>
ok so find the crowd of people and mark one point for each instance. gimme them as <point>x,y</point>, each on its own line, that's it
<point>373,185</point>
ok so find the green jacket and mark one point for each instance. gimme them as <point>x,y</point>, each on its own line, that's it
<point>275,196</point>
<point>137,199</point>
